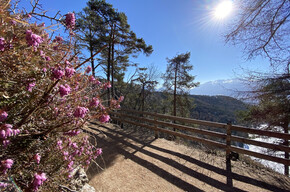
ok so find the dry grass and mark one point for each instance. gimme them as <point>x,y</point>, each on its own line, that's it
<point>134,161</point>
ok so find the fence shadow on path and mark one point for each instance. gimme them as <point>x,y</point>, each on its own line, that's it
<point>116,142</point>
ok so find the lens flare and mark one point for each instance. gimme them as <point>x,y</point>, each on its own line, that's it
<point>223,9</point>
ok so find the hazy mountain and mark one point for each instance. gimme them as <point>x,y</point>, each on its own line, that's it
<point>230,87</point>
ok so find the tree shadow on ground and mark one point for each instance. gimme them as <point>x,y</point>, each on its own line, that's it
<point>115,142</point>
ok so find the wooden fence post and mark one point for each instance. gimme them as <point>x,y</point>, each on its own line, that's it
<point>155,125</point>
<point>228,156</point>
<point>286,167</point>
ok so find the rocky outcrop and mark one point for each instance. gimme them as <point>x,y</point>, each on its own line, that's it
<point>80,181</point>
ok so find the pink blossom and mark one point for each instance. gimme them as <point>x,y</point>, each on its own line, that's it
<point>30,86</point>
<point>67,63</point>
<point>59,144</point>
<point>98,82</point>
<point>107,85</point>
<point>95,102</point>
<point>37,157</point>
<point>58,39</point>
<point>38,180</point>
<point>104,118</point>
<point>99,151</point>
<point>69,71</point>
<point>70,165</point>
<point>88,69</point>
<point>3,134</point>
<point>6,164</point>
<point>13,22</point>
<point>42,54</point>
<point>3,185</point>
<point>33,39</point>
<point>47,58</point>
<point>3,115</point>
<point>72,132</point>
<point>80,112</point>
<point>44,70</point>
<point>2,44</point>
<point>16,131</point>
<point>6,143</point>
<point>70,20</point>
<point>91,79</point>
<point>121,98</point>
<point>8,130</point>
<point>74,145</point>
<point>64,90</point>
<point>57,73</point>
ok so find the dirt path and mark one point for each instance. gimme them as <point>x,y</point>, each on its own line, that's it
<point>134,161</point>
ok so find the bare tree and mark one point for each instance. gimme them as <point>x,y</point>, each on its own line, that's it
<point>262,27</point>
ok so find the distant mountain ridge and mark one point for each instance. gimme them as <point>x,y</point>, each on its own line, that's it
<point>230,87</point>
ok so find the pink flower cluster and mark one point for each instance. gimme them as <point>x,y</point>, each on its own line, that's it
<point>64,90</point>
<point>7,131</point>
<point>30,86</point>
<point>95,102</point>
<point>72,132</point>
<point>58,39</point>
<point>81,112</point>
<point>33,39</point>
<point>39,178</point>
<point>37,158</point>
<point>3,185</point>
<point>2,44</point>
<point>70,20</point>
<point>104,118</point>
<point>115,104</point>
<point>107,85</point>
<point>69,71</point>
<point>6,164</point>
<point>57,73</point>
<point>3,115</point>
<point>71,152</point>
<point>88,69</point>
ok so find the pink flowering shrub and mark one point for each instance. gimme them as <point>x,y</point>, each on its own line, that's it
<point>46,99</point>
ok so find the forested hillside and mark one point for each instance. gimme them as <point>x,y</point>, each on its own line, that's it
<point>221,109</point>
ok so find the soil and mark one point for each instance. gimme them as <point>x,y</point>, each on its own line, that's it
<point>133,160</point>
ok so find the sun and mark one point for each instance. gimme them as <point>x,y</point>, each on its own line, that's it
<point>223,9</point>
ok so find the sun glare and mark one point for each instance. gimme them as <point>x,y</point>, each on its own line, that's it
<point>223,9</point>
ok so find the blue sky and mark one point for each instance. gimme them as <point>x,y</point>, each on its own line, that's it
<point>177,26</point>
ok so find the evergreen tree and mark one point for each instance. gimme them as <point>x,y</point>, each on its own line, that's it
<point>115,30</point>
<point>177,79</point>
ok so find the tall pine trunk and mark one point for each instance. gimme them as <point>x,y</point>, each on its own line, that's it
<point>113,67</point>
<point>109,71</point>
<point>174,93</point>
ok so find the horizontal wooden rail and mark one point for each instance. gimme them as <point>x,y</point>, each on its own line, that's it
<point>181,119</point>
<point>261,132</point>
<point>260,155</point>
<point>181,127</point>
<point>121,116</point>
<point>214,124</point>
<point>201,140</point>
<point>262,144</point>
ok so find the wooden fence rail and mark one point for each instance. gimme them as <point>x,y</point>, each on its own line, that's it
<point>153,121</point>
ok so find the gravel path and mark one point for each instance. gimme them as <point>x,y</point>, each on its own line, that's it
<point>135,161</point>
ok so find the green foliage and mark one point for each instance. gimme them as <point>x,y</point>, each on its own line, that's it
<point>273,108</point>
<point>177,81</point>
<point>116,34</point>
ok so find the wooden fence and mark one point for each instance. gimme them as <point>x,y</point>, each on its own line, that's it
<point>153,121</point>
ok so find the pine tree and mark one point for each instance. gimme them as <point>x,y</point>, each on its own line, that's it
<point>115,30</point>
<point>177,79</point>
